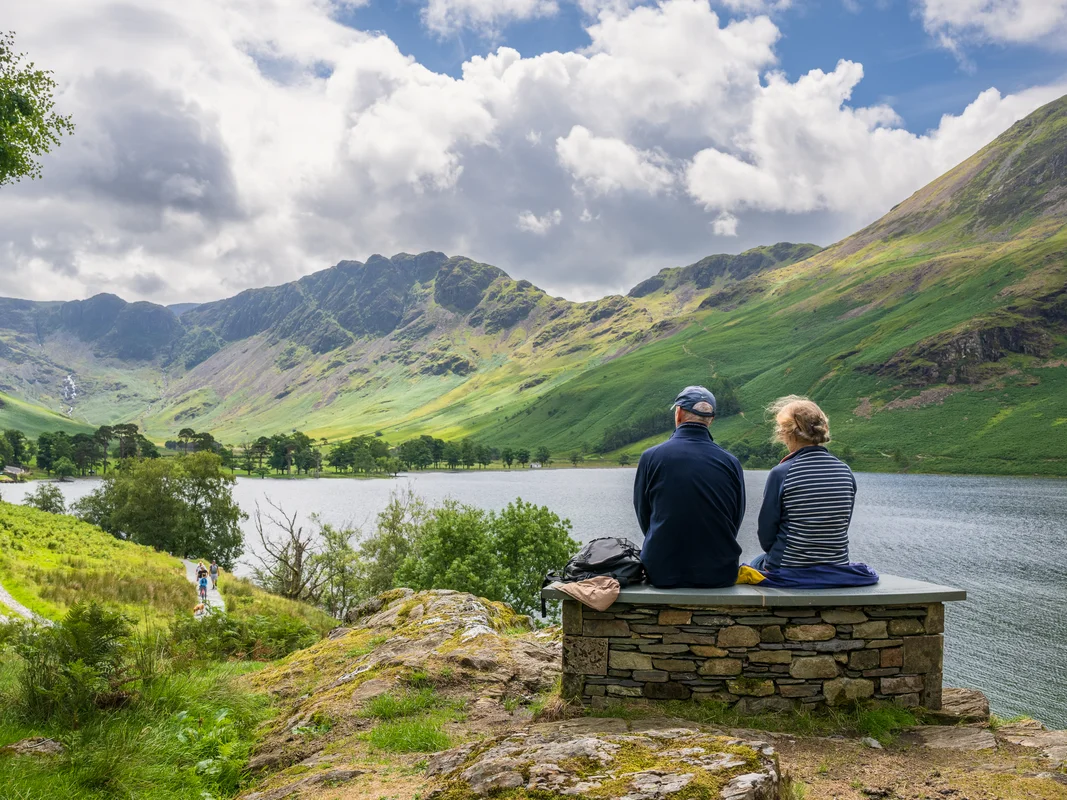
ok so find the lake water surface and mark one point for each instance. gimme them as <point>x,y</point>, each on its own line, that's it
<point>1001,539</point>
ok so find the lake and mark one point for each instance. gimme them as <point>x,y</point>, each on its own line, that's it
<point>1001,539</point>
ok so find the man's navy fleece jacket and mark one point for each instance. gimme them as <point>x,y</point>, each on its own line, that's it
<point>689,495</point>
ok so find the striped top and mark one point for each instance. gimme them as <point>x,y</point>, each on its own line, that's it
<point>807,508</point>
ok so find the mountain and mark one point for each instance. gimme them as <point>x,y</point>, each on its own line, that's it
<point>935,337</point>
<point>334,346</point>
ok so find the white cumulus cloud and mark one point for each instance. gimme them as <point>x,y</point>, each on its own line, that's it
<point>531,223</point>
<point>223,144</point>
<point>1009,21</point>
<point>606,164</point>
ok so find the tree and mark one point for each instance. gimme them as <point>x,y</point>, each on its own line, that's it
<point>452,455</point>
<point>65,468</point>
<point>543,456</point>
<point>467,453</point>
<point>576,459</point>
<point>186,435</point>
<point>286,563</point>
<point>179,505</point>
<point>399,526</point>
<point>624,460</point>
<point>20,446</point>
<point>507,456</point>
<point>29,128</point>
<point>47,497</point>
<point>500,556</point>
<point>484,454</point>
<point>523,457</point>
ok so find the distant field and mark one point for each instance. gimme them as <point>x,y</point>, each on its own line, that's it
<point>34,420</point>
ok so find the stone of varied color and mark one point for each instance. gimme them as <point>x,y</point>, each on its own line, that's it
<point>738,636</point>
<point>664,649</point>
<point>666,691</point>
<point>771,656</point>
<point>847,690</point>
<point>707,651</point>
<point>892,657</point>
<point>814,667</point>
<point>843,616</point>
<point>962,705</point>
<point>934,621</point>
<point>864,659</point>
<point>585,656</point>
<point>690,638</point>
<point>674,664</point>
<point>629,661</point>
<point>905,627</point>
<point>771,634</point>
<point>674,616</point>
<point>605,627</point>
<point>721,666</point>
<point>572,617</point>
<point>902,685</point>
<point>923,653</point>
<point>875,629</point>
<point>810,633</point>
<point>751,687</point>
<point>34,746</point>
<point>650,675</point>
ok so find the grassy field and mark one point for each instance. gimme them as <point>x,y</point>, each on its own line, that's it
<point>48,562</point>
<point>34,420</point>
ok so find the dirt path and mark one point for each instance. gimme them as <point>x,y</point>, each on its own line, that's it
<point>214,597</point>
<point>14,605</point>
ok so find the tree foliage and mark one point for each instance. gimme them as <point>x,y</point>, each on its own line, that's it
<point>179,505</point>
<point>29,127</point>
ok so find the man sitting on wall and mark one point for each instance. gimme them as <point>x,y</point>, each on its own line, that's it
<point>689,495</point>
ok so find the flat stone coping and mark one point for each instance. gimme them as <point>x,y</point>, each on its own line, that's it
<point>891,590</point>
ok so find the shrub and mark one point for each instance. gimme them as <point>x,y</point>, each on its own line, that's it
<point>224,636</point>
<point>500,556</point>
<point>48,497</point>
<point>76,666</point>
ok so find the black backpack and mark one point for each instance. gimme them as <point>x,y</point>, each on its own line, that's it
<point>617,558</point>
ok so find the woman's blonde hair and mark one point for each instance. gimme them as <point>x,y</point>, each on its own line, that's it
<point>798,419</point>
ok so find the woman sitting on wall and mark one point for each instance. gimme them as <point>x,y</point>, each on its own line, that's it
<point>807,505</point>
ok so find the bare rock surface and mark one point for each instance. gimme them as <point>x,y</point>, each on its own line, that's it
<point>962,737</point>
<point>473,651</point>
<point>34,746</point>
<point>1031,733</point>
<point>609,759</point>
<point>962,705</point>
<point>330,776</point>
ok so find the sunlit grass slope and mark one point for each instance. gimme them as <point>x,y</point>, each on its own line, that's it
<point>34,420</point>
<point>48,562</point>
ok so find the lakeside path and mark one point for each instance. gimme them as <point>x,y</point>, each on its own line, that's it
<point>14,605</point>
<point>214,597</point>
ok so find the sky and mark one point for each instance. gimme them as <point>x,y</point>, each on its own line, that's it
<point>580,144</point>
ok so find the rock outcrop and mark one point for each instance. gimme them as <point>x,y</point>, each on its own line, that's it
<point>607,758</point>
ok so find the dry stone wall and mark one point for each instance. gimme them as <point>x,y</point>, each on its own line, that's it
<point>761,658</point>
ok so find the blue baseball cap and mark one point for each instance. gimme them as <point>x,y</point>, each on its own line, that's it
<point>695,400</point>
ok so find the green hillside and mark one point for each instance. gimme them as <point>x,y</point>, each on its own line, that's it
<point>33,419</point>
<point>49,562</point>
<point>935,336</point>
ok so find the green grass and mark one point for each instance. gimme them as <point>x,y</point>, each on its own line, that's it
<point>188,738</point>
<point>33,420</point>
<point>410,736</point>
<point>49,562</point>
<point>881,722</point>
<point>391,706</point>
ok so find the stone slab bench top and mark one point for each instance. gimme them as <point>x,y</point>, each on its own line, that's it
<point>891,590</point>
